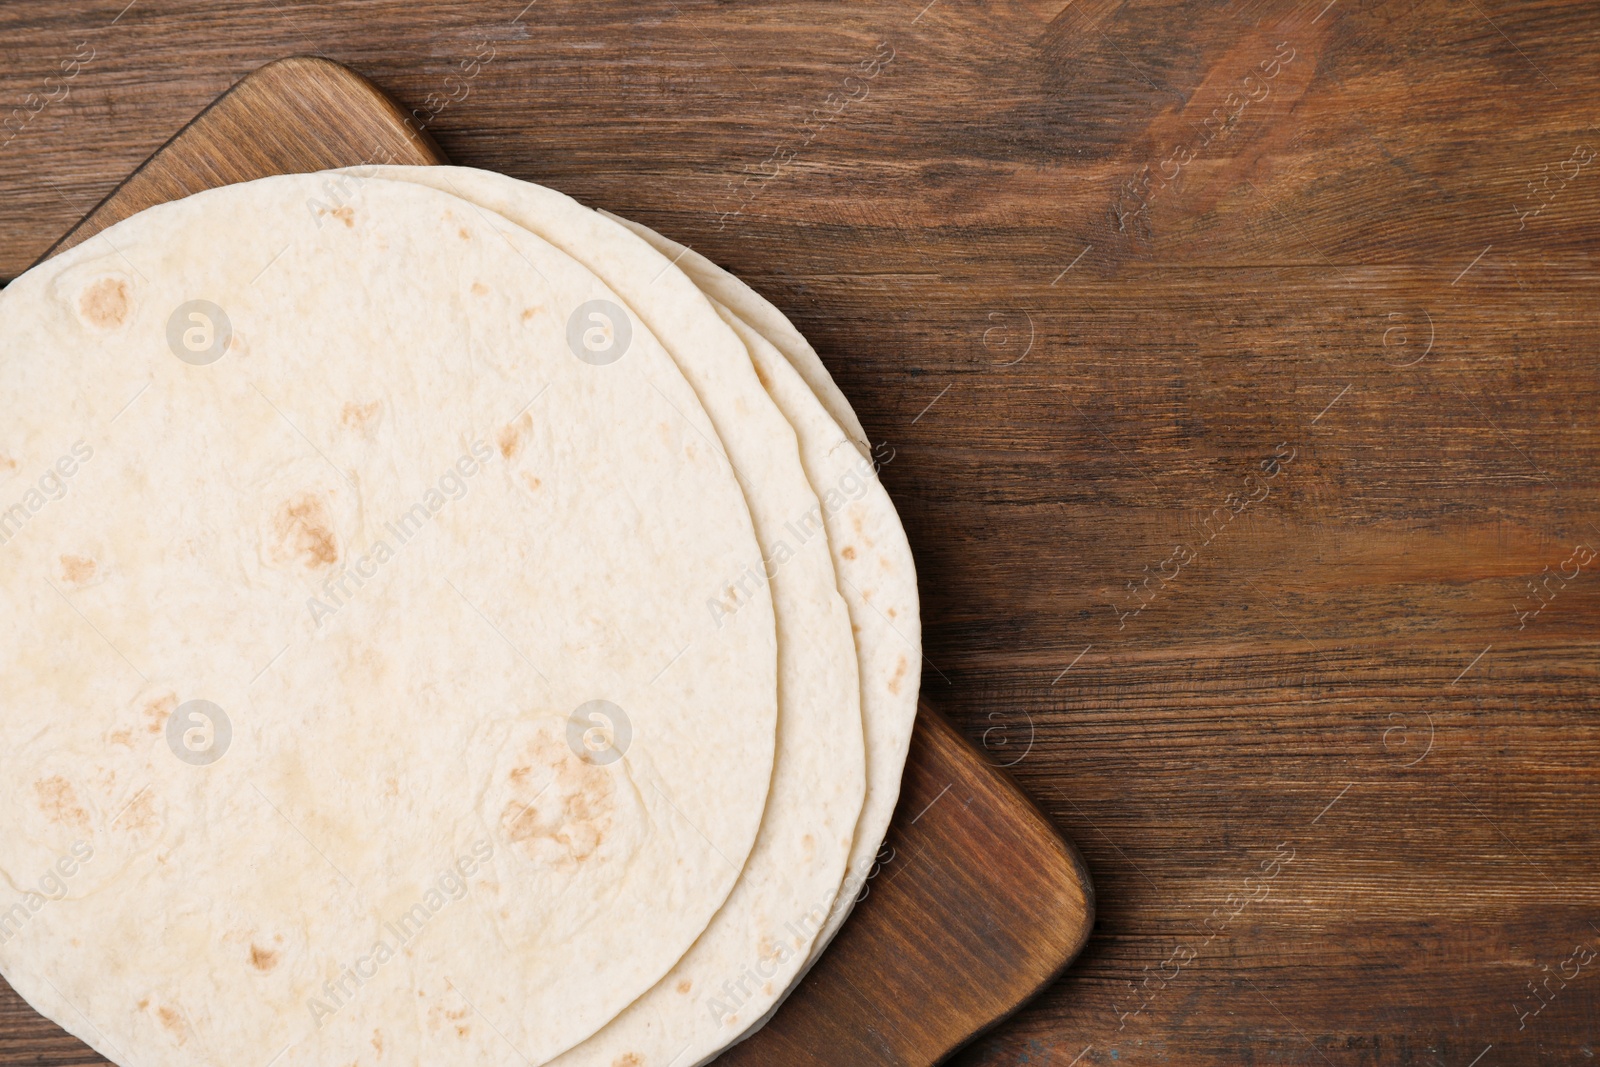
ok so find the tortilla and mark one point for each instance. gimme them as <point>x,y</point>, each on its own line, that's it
<point>357,687</point>
<point>756,945</point>
<point>732,292</point>
<point>872,555</point>
<point>877,573</point>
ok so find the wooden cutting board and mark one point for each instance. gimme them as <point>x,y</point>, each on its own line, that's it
<point>978,902</point>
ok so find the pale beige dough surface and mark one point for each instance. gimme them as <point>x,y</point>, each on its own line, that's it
<point>763,935</point>
<point>400,758</point>
<point>774,325</point>
<point>877,572</point>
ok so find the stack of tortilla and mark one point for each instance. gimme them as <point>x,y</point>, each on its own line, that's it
<point>442,624</point>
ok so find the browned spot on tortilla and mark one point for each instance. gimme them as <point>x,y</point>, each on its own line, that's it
<point>528,313</point>
<point>479,289</point>
<point>77,569</point>
<point>465,236</point>
<point>899,675</point>
<point>510,438</point>
<point>157,712</point>
<point>564,820</point>
<point>631,1059</point>
<point>262,959</point>
<point>140,814</point>
<point>531,482</point>
<point>893,613</point>
<point>121,737</point>
<point>848,552</point>
<point>856,521</point>
<point>346,215</point>
<point>7,463</point>
<point>173,1023</point>
<point>685,985</point>
<point>730,601</point>
<point>59,802</point>
<point>810,844</point>
<point>105,303</point>
<point>143,1004</point>
<point>377,1041</point>
<point>360,416</point>
<point>305,524</point>
<point>509,441</point>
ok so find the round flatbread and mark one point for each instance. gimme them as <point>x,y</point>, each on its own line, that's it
<point>358,694</point>
<point>755,946</point>
<point>877,573</point>
<point>733,293</point>
<point>872,555</point>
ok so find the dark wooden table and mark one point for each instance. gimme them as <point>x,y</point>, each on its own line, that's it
<point>1237,362</point>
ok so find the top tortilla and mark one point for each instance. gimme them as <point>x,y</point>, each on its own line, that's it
<point>402,536</point>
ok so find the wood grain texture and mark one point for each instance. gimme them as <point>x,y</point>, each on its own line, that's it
<point>1357,267</point>
<point>293,116</point>
<point>997,904</point>
<point>977,904</point>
